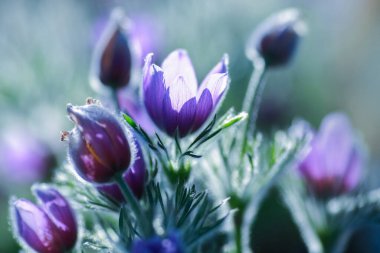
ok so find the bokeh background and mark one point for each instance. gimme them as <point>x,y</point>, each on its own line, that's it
<point>45,56</point>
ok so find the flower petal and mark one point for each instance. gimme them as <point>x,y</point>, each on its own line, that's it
<point>177,64</point>
<point>217,84</point>
<point>170,116</point>
<point>204,109</point>
<point>220,68</point>
<point>186,116</point>
<point>335,140</point>
<point>353,174</point>
<point>154,92</point>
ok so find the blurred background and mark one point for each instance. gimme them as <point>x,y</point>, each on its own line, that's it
<point>45,56</point>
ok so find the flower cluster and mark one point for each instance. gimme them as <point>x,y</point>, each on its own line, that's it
<point>129,165</point>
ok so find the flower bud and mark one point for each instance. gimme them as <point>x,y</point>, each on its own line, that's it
<point>60,213</point>
<point>49,228</point>
<point>98,145</point>
<point>276,39</point>
<point>134,177</point>
<point>169,244</point>
<point>334,164</point>
<point>112,60</point>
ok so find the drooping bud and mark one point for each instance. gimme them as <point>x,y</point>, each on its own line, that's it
<point>276,39</point>
<point>134,177</point>
<point>60,213</point>
<point>169,244</point>
<point>48,228</point>
<point>112,60</point>
<point>98,145</point>
<point>334,164</point>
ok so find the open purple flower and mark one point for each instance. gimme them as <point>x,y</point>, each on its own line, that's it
<point>134,177</point>
<point>334,163</point>
<point>48,228</point>
<point>172,97</point>
<point>276,39</point>
<point>98,145</point>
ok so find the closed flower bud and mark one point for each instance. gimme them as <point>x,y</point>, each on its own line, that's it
<point>276,39</point>
<point>172,97</point>
<point>98,145</point>
<point>134,177</point>
<point>169,244</point>
<point>334,164</point>
<point>112,60</point>
<point>49,228</point>
<point>60,213</point>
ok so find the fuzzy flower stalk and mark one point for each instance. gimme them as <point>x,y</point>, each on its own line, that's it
<point>172,97</point>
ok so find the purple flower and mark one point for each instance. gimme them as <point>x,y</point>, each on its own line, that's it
<point>24,158</point>
<point>112,60</point>
<point>276,39</point>
<point>98,145</point>
<point>49,228</point>
<point>334,164</point>
<point>169,244</point>
<point>172,97</point>
<point>134,177</point>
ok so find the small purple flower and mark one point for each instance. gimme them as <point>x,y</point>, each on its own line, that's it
<point>112,60</point>
<point>49,228</point>
<point>334,164</point>
<point>98,145</point>
<point>134,177</point>
<point>24,158</point>
<point>276,39</point>
<point>172,97</point>
<point>169,244</point>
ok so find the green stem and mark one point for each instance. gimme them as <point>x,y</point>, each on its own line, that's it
<point>147,228</point>
<point>116,100</point>
<point>252,100</point>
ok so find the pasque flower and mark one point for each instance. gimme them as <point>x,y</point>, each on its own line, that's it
<point>112,60</point>
<point>172,97</point>
<point>169,244</point>
<point>98,145</point>
<point>276,38</point>
<point>134,177</point>
<point>334,164</point>
<point>48,228</point>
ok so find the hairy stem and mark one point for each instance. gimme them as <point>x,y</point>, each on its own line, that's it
<point>134,204</point>
<point>252,100</point>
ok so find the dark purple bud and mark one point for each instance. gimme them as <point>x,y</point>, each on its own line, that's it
<point>276,39</point>
<point>112,60</point>
<point>172,97</point>
<point>35,228</point>
<point>98,145</point>
<point>134,177</point>
<point>334,164</point>
<point>169,244</point>
<point>60,213</point>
